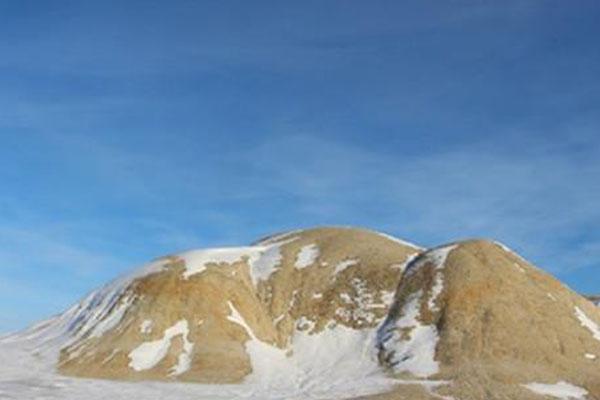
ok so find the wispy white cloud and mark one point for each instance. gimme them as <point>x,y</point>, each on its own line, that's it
<point>20,247</point>
<point>540,196</point>
<point>539,199</point>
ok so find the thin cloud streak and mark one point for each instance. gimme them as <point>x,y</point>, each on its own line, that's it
<point>534,200</point>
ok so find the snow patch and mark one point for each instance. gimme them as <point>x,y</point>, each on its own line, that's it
<point>437,257</point>
<point>561,390</point>
<point>305,324</point>
<point>196,261</point>
<point>346,359</point>
<point>588,323</point>
<point>343,265</point>
<point>267,263</point>
<point>149,354</point>
<point>111,318</point>
<point>504,247</point>
<point>184,360</point>
<point>415,353</point>
<point>237,318</point>
<point>146,326</point>
<point>399,241</point>
<point>262,260</point>
<point>307,256</point>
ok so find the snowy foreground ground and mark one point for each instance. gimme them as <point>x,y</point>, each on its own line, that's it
<point>27,375</point>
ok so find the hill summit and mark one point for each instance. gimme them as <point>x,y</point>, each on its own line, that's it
<point>320,313</point>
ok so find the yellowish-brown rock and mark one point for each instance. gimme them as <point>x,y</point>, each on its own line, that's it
<point>497,323</point>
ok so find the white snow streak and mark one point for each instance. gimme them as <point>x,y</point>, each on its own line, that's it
<point>237,318</point>
<point>560,390</point>
<point>343,265</point>
<point>149,354</point>
<point>196,261</point>
<point>438,257</point>
<point>263,260</point>
<point>588,323</point>
<point>399,241</point>
<point>307,256</point>
<point>415,355</point>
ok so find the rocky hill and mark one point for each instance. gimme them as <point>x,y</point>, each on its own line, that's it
<point>291,310</point>
<point>476,314</point>
<point>321,313</point>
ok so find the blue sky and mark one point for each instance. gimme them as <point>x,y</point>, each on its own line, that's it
<point>134,129</point>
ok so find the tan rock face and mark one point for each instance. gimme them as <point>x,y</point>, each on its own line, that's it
<point>191,317</point>
<point>478,315</point>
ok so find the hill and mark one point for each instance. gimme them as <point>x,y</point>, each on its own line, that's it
<point>476,314</point>
<point>325,313</point>
<point>295,309</point>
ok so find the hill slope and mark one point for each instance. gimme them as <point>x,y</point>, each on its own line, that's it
<point>259,315</point>
<point>322,313</point>
<point>476,314</point>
